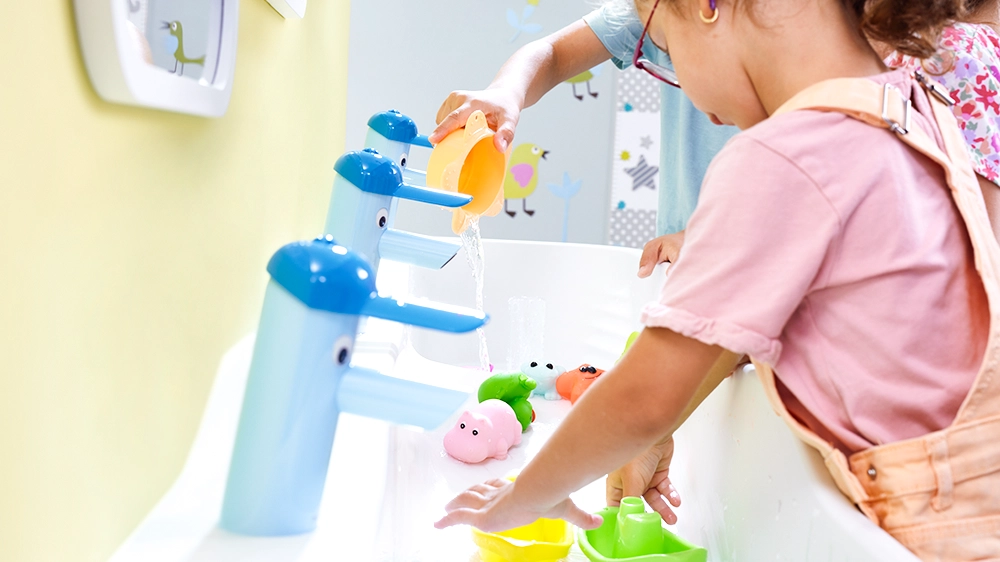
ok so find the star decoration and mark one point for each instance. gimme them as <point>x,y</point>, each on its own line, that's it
<point>643,175</point>
<point>646,141</point>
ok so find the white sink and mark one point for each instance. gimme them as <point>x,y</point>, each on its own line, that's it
<point>751,491</point>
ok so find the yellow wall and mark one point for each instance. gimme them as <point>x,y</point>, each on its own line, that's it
<point>132,251</point>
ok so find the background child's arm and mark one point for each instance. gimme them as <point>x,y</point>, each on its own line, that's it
<point>529,74</point>
<point>627,410</point>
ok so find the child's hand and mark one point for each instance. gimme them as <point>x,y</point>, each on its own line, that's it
<point>500,105</point>
<point>666,248</point>
<point>494,506</point>
<point>647,476</point>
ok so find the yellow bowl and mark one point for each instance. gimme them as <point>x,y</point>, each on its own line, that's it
<point>466,162</point>
<point>545,540</point>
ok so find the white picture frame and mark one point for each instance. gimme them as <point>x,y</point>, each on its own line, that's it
<point>289,9</point>
<point>126,67</point>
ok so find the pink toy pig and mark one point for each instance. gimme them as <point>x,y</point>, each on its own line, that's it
<point>488,429</point>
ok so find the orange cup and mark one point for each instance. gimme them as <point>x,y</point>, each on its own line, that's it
<point>466,162</point>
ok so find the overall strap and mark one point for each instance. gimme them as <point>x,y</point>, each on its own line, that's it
<point>834,459</point>
<point>886,107</point>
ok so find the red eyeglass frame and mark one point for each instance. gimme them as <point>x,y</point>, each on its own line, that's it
<point>661,73</point>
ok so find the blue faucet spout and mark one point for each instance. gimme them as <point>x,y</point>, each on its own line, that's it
<point>423,251</point>
<point>422,140</point>
<point>415,177</point>
<point>371,394</point>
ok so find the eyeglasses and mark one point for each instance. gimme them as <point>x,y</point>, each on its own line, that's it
<point>661,73</point>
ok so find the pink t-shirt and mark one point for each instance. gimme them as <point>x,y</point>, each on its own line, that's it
<point>833,251</point>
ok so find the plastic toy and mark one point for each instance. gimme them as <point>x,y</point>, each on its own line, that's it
<point>628,344</point>
<point>545,540</point>
<point>545,375</point>
<point>467,162</point>
<point>514,389</point>
<point>487,430</point>
<point>630,534</point>
<point>572,384</point>
<point>301,378</point>
<point>362,207</point>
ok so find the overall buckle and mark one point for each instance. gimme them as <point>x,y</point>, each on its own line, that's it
<point>895,126</point>
<point>935,89</point>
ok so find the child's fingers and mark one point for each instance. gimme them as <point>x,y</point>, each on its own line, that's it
<point>468,498</point>
<point>655,501</point>
<point>454,120</point>
<point>647,262</point>
<point>454,100</point>
<point>504,135</point>
<point>612,493</point>
<point>585,520</point>
<point>463,516</point>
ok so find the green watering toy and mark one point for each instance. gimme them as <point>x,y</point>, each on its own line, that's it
<point>630,534</point>
<point>514,389</point>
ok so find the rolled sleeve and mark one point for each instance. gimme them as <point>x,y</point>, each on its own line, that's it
<point>619,32</point>
<point>753,250</point>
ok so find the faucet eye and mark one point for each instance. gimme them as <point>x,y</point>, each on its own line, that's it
<point>592,370</point>
<point>402,160</point>
<point>461,426</point>
<point>549,366</point>
<point>534,364</point>
<point>475,432</point>
<point>342,350</point>
<point>382,217</point>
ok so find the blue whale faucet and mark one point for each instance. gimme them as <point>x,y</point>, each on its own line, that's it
<point>301,379</point>
<point>361,211</point>
<point>394,135</point>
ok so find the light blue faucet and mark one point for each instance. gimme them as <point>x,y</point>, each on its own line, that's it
<point>394,135</point>
<point>367,190</point>
<point>301,379</point>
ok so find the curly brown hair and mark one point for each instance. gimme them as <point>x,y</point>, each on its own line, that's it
<point>912,27</point>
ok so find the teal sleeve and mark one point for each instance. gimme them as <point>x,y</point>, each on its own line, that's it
<point>618,32</point>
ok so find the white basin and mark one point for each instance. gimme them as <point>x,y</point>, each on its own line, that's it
<point>751,491</point>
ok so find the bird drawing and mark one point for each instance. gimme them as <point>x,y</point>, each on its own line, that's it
<point>177,30</point>
<point>584,78</point>
<point>522,176</point>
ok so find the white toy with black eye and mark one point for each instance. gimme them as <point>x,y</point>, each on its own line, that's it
<point>545,374</point>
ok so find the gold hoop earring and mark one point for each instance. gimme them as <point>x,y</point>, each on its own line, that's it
<point>713,19</point>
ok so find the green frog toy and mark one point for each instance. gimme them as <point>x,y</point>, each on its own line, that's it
<point>514,389</point>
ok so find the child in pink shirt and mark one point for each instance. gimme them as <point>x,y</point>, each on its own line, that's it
<point>821,245</point>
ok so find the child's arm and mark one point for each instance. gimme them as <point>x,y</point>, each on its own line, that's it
<point>647,475</point>
<point>628,409</point>
<point>529,74</point>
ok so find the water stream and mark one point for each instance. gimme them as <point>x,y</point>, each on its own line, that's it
<point>472,241</point>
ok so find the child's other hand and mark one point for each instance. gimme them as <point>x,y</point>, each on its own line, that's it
<point>500,105</point>
<point>493,507</point>
<point>647,476</point>
<point>666,248</point>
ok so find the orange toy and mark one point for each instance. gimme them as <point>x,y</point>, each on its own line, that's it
<point>571,384</point>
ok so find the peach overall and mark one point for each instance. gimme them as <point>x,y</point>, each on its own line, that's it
<point>939,494</point>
